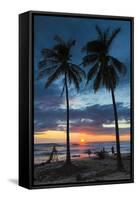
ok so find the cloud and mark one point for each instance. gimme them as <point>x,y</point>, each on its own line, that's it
<point>88,120</point>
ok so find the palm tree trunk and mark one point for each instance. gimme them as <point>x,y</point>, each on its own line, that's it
<point>68,159</point>
<point>119,160</point>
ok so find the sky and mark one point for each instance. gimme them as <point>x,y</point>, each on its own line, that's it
<point>91,114</point>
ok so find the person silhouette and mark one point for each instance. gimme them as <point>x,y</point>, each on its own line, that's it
<point>53,155</point>
<point>112,150</point>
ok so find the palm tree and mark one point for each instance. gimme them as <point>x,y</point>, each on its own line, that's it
<point>56,63</point>
<point>105,71</point>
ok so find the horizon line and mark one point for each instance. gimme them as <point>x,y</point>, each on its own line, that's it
<point>79,143</point>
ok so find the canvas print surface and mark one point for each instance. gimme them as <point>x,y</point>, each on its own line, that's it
<point>82,104</point>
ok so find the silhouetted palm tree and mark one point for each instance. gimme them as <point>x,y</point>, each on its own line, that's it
<point>56,63</point>
<point>105,71</point>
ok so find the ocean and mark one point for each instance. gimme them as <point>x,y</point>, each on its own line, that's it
<point>42,151</point>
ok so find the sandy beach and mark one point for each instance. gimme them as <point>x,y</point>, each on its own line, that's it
<point>83,170</point>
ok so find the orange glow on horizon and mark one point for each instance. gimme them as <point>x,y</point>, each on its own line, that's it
<point>60,137</point>
<point>82,141</point>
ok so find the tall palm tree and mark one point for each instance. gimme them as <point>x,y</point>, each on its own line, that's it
<point>56,63</point>
<point>105,71</point>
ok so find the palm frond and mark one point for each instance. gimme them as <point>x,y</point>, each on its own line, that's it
<point>99,31</point>
<point>74,78</point>
<point>63,88</point>
<point>76,74</point>
<point>113,36</point>
<point>47,64</point>
<point>78,70</point>
<point>113,77</point>
<point>48,53</point>
<point>97,81</point>
<point>92,72</point>
<point>54,76</point>
<point>42,64</point>
<point>110,78</point>
<point>106,37</point>
<point>106,34</point>
<point>105,76</point>
<point>47,71</point>
<point>120,67</point>
<point>89,59</point>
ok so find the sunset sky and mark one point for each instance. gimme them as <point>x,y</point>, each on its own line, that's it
<point>91,115</point>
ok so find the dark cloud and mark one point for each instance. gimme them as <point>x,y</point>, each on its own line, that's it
<point>89,119</point>
<point>49,98</point>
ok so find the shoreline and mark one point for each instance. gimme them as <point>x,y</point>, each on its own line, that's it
<point>81,157</point>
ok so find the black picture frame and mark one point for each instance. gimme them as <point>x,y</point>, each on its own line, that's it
<point>26,96</point>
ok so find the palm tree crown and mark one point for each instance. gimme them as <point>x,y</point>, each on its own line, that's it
<point>106,68</point>
<point>57,62</point>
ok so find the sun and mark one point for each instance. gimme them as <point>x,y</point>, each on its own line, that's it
<point>82,140</point>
